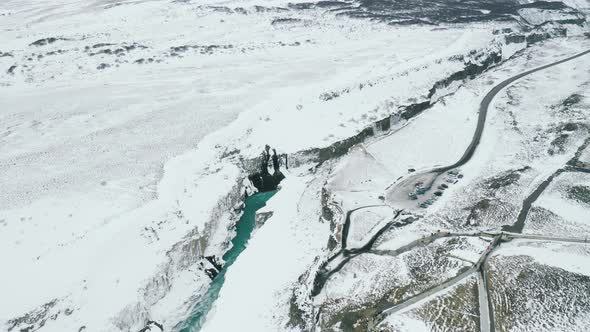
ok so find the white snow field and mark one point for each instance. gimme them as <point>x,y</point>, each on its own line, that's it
<point>523,125</point>
<point>124,126</point>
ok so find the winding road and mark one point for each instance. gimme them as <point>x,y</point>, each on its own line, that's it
<point>485,104</point>
<point>434,174</point>
<point>486,312</point>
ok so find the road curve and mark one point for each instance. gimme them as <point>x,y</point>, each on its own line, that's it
<point>323,275</point>
<point>481,120</point>
<point>483,110</point>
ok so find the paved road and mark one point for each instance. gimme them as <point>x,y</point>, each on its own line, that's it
<point>518,226</point>
<point>546,238</point>
<point>485,104</point>
<point>347,254</point>
<point>484,306</point>
<point>486,311</point>
<point>433,175</point>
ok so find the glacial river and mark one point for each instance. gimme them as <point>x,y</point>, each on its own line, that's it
<point>244,229</point>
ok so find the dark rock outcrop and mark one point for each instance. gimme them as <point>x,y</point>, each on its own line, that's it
<point>10,70</point>
<point>46,41</point>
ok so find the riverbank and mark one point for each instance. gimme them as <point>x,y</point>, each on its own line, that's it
<point>244,229</point>
<point>123,173</point>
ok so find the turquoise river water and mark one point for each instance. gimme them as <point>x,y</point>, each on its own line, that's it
<point>244,229</point>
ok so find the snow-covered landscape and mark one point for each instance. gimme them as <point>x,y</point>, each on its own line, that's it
<point>436,159</point>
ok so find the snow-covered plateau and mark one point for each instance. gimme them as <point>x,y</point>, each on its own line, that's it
<point>438,153</point>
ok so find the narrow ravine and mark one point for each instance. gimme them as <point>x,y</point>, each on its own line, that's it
<point>244,229</point>
<point>347,254</point>
<point>486,280</point>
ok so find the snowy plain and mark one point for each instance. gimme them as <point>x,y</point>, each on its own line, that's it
<point>85,146</point>
<point>115,140</point>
